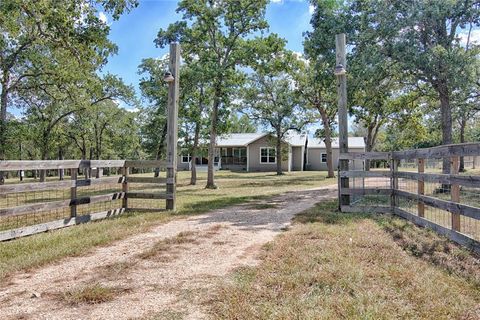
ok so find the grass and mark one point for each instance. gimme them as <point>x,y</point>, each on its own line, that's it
<point>334,265</point>
<point>90,294</point>
<point>234,188</point>
<point>160,248</point>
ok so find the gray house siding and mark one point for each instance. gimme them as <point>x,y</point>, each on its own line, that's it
<point>182,166</point>
<point>254,157</point>
<point>314,160</point>
<point>297,158</point>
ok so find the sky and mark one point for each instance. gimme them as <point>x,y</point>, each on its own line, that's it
<point>134,32</point>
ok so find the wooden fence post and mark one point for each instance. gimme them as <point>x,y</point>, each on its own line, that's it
<point>455,193</point>
<point>341,61</point>
<point>125,187</point>
<point>393,181</point>
<point>172,124</point>
<point>73,193</point>
<point>421,188</point>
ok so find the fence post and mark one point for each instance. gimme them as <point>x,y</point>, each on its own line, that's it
<point>172,120</point>
<point>125,187</point>
<point>421,188</point>
<point>341,61</point>
<point>393,181</point>
<point>455,193</point>
<point>73,193</point>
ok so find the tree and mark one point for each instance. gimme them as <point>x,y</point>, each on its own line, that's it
<point>423,40</point>
<point>316,87</point>
<point>194,101</point>
<point>317,83</point>
<point>37,34</point>
<point>155,93</point>
<point>270,99</point>
<point>240,123</point>
<point>220,33</point>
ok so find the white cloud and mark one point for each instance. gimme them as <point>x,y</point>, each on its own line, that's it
<point>277,1</point>
<point>311,9</point>
<point>103,17</point>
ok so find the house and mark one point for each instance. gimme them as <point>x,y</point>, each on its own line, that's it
<point>252,152</point>
<point>256,152</point>
<point>317,153</point>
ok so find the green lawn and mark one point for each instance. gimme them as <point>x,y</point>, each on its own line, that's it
<point>234,188</point>
<point>334,265</point>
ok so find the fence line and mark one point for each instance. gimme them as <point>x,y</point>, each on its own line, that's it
<point>446,203</point>
<point>47,201</point>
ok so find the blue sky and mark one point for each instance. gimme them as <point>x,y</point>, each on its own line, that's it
<point>134,32</point>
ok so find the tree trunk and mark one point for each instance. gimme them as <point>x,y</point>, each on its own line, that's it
<point>61,172</point>
<point>193,177</point>
<point>446,113</point>
<point>279,153</point>
<point>446,122</point>
<point>211,146</point>
<point>463,124</point>
<point>328,142</point>
<point>43,173</point>
<point>368,145</point>
<point>3,121</point>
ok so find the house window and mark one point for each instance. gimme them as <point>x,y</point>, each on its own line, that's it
<point>324,158</point>
<point>268,155</point>
<point>186,158</point>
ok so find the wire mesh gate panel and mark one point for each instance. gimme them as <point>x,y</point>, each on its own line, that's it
<point>89,190</point>
<point>414,187</point>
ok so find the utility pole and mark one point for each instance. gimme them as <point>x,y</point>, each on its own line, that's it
<point>340,72</point>
<point>172,77</point>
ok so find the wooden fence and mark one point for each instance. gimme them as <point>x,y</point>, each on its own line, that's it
<point>78,198</point>
<point>446,203</point>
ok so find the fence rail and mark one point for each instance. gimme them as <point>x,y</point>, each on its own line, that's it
<point>446,203</point>
<point>78,198</point>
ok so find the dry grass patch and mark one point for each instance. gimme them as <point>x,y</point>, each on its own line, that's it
<point>213,231</point>
<point>333,265</point>
<point>167,245</point>
<point>91,294</point>
<point>263,206</point>
<point>431,247</point>
<point>113,270</point>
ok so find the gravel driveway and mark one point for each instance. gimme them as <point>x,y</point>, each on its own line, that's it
<point>165,273</point>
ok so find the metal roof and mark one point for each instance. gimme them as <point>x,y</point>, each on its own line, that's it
<point>238,139</point>
<point>353,142</point>
<point>244,139</point>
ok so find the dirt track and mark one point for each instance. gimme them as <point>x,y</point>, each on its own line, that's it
<point>163,282</point>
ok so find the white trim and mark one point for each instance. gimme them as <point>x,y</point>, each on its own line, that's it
<point>290,158</point>
<point>186,155</point>
<point>321,157</point>
<point>268,155</point>
<point>248,158</point>
<point>303,158</point>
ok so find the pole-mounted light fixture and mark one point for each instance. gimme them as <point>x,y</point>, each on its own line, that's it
<point>340,70</point>
<point>168,77</point>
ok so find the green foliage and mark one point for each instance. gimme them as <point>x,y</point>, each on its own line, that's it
<point>50,52</point>
<point>241,124</point>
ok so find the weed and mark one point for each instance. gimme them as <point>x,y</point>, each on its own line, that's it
<point>91,294</point>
